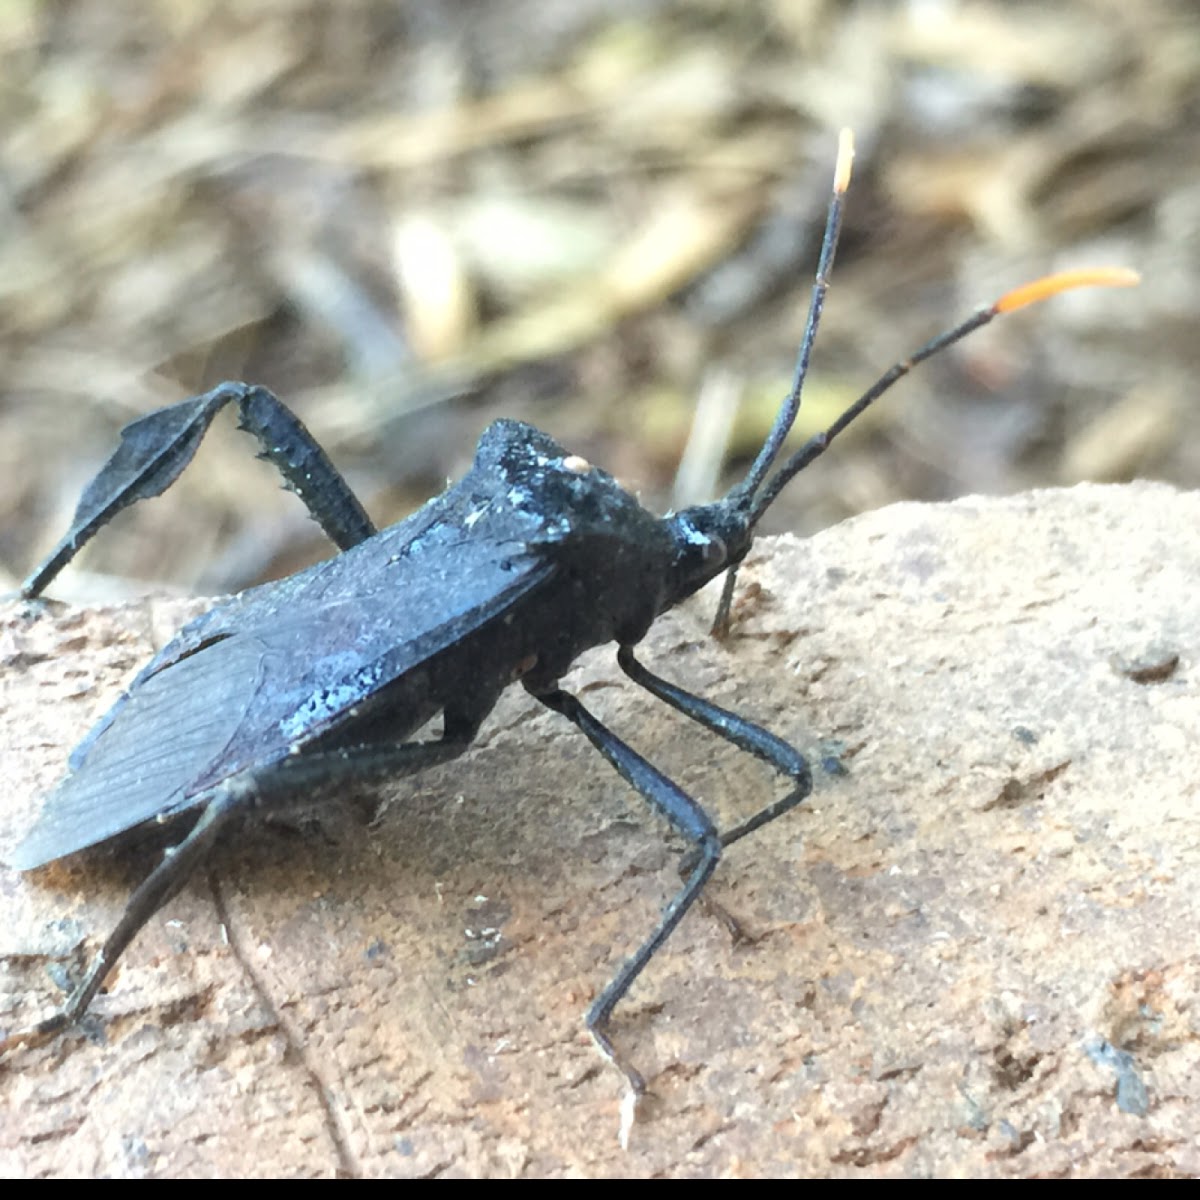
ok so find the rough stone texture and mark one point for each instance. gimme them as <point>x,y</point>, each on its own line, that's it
<point>975,953</point>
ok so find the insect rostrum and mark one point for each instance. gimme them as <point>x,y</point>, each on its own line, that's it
<point>327,676</point>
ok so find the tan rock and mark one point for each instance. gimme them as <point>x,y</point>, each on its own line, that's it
<point>974,953</point>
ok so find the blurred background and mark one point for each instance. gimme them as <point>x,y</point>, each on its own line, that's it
<point>408,217</point>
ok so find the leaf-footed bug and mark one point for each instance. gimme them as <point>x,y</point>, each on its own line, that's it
<point>325,677</point>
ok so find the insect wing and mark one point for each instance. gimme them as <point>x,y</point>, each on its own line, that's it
<point>331,645</point>
<point>260,676</point>
<point>141,765</point>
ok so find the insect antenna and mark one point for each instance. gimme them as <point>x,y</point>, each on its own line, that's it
<point>747,494</point>
<point>743,492</point>
<point>1020,297</point>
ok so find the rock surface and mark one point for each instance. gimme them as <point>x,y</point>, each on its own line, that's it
<point>975,952</point>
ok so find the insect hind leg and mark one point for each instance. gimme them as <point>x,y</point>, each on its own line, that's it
<point>155,449</point>
<point>163,882</point>
<point>273,785</point>
<point>373,763</point>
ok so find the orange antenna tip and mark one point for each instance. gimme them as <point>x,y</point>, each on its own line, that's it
<point>1064,281</point>
<point>845,159</point>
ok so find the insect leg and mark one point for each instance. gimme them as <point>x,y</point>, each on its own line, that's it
<point>156,448</point>
<point>733,728</point>
<point>357,764</point>
<point>163,882</point>
<point>687,817</point>
<point>305,467</point>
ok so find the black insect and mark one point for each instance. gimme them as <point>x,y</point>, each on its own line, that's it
<point>321,679</point>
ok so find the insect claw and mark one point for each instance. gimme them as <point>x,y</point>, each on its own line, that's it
<point>630,1103</point>
<point>633,1077</point>
<point>37,1035</point>
<point>635,1087</point>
